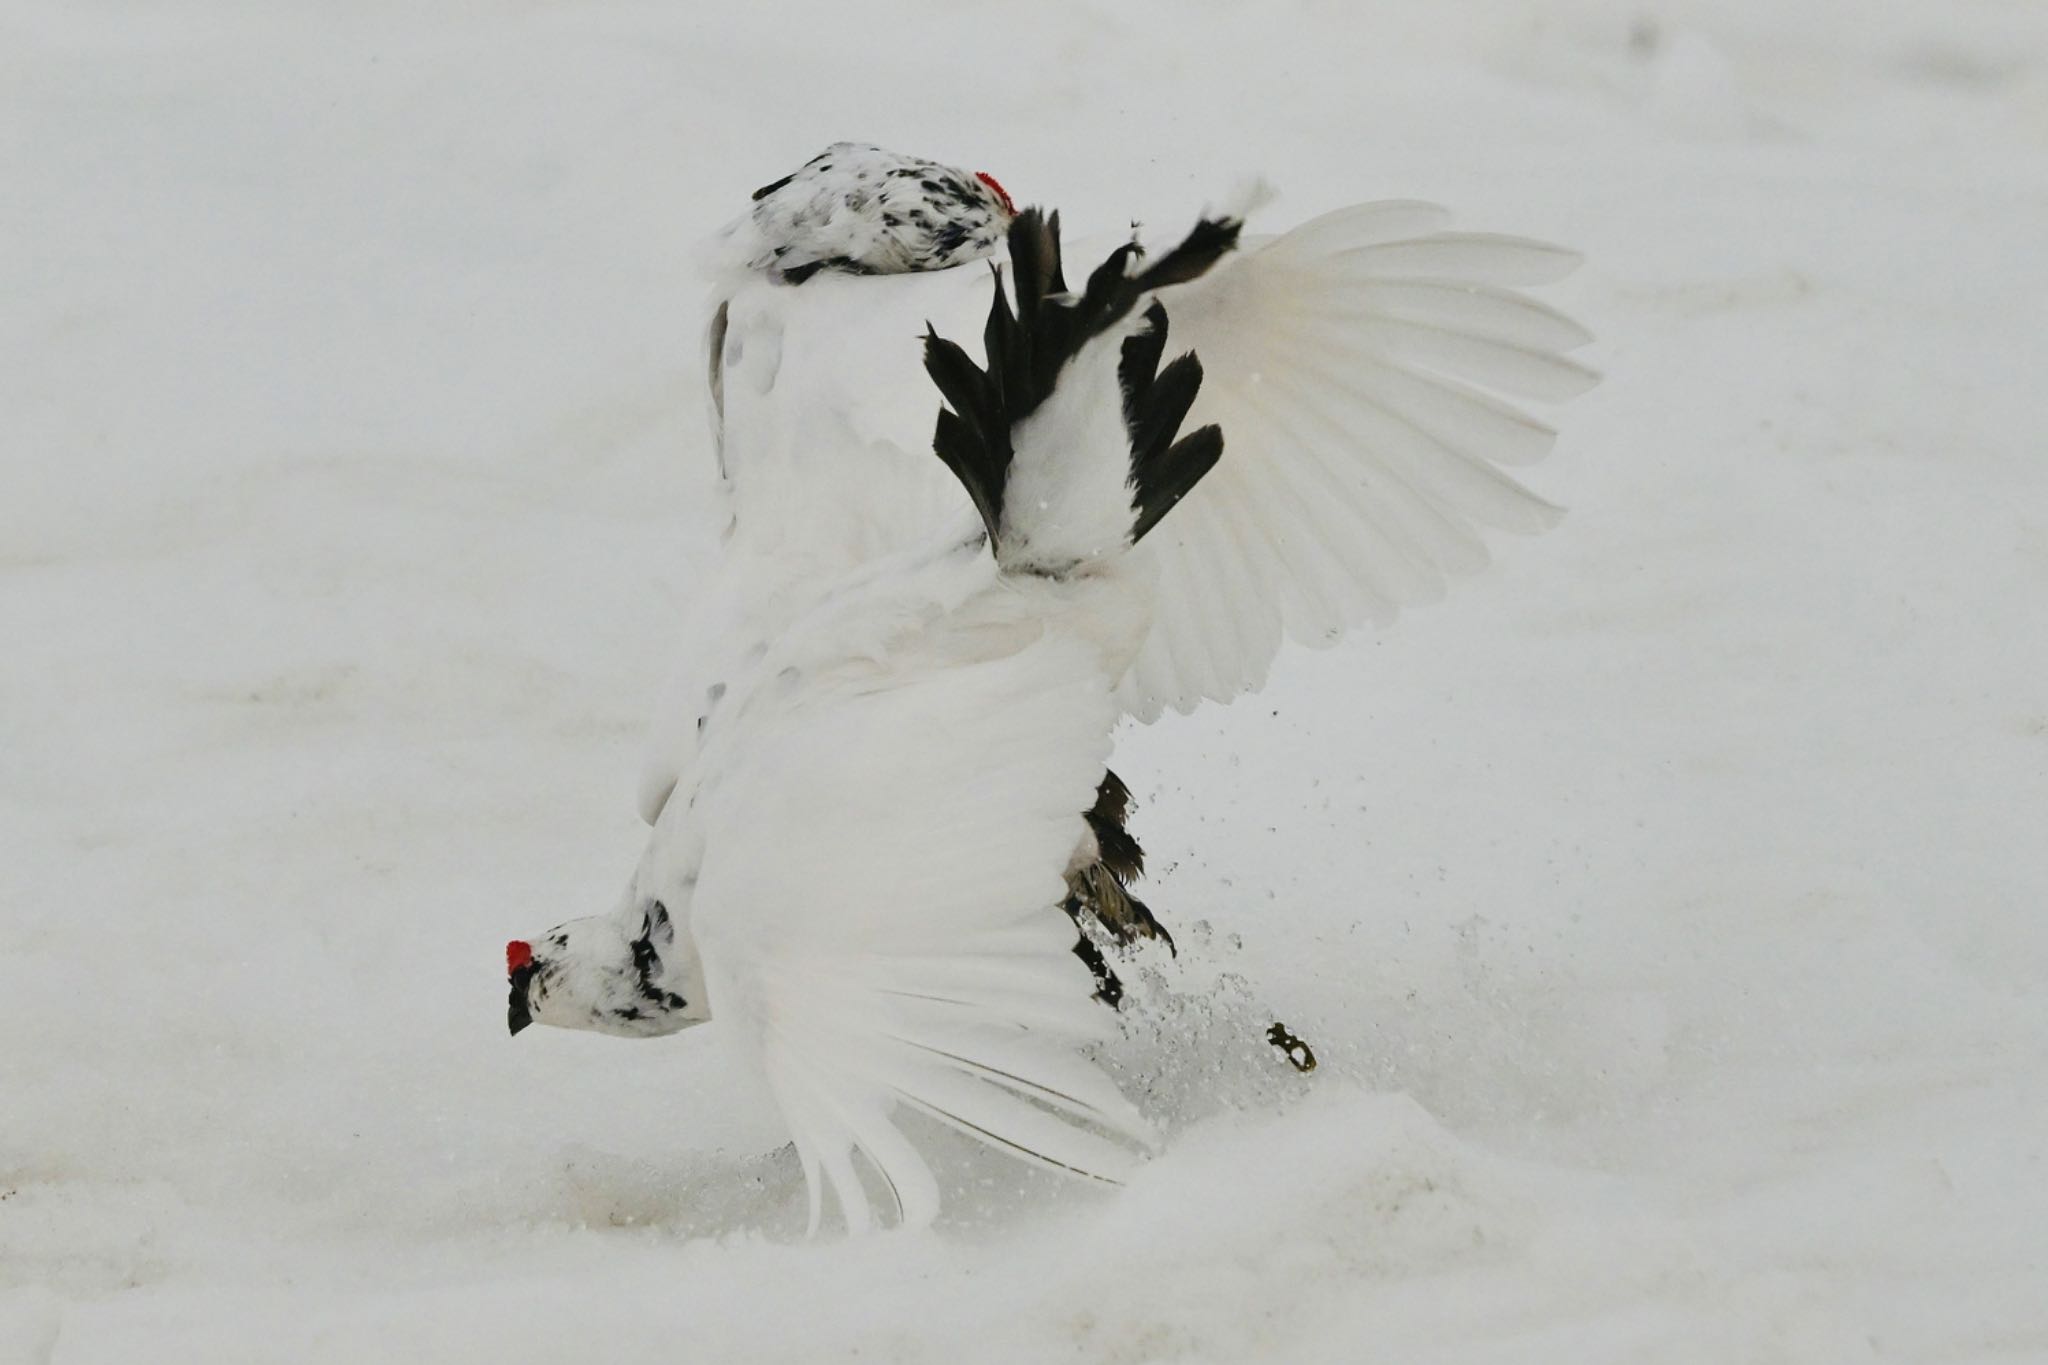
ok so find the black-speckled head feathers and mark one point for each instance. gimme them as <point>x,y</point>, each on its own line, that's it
<point>863,210</point>
<point>609,973</point>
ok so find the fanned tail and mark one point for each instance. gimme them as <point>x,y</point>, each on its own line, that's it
<point>905,954</point>
<point>1068,438</point>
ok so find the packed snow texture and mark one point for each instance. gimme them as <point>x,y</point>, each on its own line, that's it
<point>1667,906</point>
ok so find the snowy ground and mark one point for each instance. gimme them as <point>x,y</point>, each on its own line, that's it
<point>1668,906</point>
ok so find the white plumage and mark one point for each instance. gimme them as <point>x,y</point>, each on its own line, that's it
<point>896,698</point>
<point>1349,363</point>
<point>1365,368</point>
<point>884,813</point>
<point>859,868</point>
<point>877,909</point>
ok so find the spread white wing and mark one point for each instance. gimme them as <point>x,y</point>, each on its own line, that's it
<point>878,913</point>
<point>1353,365</point>
<point>1364,368</point>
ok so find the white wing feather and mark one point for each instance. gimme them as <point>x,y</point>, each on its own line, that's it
<point>878,911</point>
<point>1353,363</point>
<point>1349,363</point>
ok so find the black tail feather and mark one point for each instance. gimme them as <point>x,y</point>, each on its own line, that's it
<point>1165,483</point>
<point>1108,818</point>
<point>979,458</point>
<point>1140,364</point>
<point>1027,347</point>
<point>1209,242</point>
<point>1162,403</point>
<point>1156,402</point>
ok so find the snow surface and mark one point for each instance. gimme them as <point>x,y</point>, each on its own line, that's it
<point>1667,906</point>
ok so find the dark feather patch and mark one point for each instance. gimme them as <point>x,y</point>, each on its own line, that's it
<point>1165,481</point>
<point>1211,240</point>
<point>1027,347</point>
<point>1102,889</point>
<point>843,264</point>
<point>714,356</point>
<point>1141,362</point>
<point>1111,811</point>
<point>646,966</point>
<point>1109,989</point>
<point>978,458</point>
<point>1154,411</point>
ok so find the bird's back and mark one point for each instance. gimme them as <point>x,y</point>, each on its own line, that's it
<point>827,421</point>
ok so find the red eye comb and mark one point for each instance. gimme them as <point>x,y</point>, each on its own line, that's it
<point>518,953</point>
<point>985,178</point>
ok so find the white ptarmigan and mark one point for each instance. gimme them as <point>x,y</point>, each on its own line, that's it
<point>1353,363</point>
<point>861,871</point>
<point>1354,360</point>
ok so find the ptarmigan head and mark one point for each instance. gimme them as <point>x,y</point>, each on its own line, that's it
<point>866,211</point>
<point>621,974</point>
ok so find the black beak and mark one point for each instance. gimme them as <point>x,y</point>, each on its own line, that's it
<point>517,1015</point>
